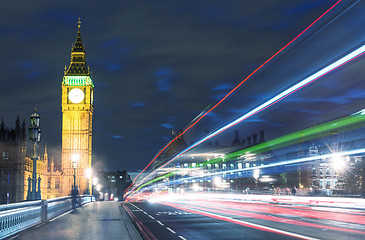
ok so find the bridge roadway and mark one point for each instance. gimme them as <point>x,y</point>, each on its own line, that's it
<point>96,220</point>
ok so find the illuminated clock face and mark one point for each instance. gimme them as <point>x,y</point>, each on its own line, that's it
<point>76,95</point>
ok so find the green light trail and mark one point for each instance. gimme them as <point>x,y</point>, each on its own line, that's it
<point>314,132</point>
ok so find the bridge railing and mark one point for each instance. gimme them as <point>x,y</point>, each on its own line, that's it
<point>17,217</point>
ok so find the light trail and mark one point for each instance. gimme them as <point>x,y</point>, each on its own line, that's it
<point>287,162</point>
<point>266,212</point>
<point>353,55</point>
<point>305,134</point>
<point>348,58</point>
<point>234,89</point>
<point>215,215</point>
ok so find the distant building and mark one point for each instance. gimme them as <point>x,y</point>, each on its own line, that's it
<point>112,184</point>
<point>13,164</point>
<point>174,148</point>
<point>16,167</point>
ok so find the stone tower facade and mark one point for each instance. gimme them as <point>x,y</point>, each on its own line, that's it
<point>77,112</point>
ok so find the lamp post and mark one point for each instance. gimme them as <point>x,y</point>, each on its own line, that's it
<point>74,191</point>
<point>35,136</point>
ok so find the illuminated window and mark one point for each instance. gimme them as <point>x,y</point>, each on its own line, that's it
<point>239,165</point>
<point>247,165</point>
<point>193,165</point>
<point>224,166</point>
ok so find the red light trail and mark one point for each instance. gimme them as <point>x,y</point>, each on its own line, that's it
<point>268,212</point>
<point>234,89</point>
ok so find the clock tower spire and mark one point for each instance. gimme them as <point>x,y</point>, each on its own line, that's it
<point>78,59</point>
<point>77,111</point>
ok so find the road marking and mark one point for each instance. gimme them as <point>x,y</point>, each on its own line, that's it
<point>160,223</point>
<point>182,238</point>
<point>60,216</point>
<point>151,217</point>
<point>40,225</point>
<point>170,230</point>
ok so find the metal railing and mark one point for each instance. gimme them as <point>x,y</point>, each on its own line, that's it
<point>17,217</point>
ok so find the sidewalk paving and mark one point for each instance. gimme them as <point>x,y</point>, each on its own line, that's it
<point>96,220</point>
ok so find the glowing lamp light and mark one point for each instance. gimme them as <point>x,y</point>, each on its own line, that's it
<point>256,173</point>
<point>75,158</point>
<point>195,187</point>
<point>95,181</point>
<point>338,161</point>
<point>88,173</point>
<point>217,181</point>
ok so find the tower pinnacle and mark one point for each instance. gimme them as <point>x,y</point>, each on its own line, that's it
<point>79,23</point>
<point>78,65</point>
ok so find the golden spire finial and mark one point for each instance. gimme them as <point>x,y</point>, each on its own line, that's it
<point>79,23</point>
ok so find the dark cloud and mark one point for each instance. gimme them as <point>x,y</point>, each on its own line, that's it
<point>167,125</point>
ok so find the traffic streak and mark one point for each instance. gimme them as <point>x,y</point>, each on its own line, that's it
<point>196,218</point>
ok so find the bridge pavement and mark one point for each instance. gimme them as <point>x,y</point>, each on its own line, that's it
<point>96,220</point>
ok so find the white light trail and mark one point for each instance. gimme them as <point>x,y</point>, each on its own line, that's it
<point>349,57</point>
<point>293,161</point>
<point>284,94</point>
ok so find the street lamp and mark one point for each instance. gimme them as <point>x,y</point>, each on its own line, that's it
<point>35,137</point>
<point>338,161</point>
<point>74,191</point>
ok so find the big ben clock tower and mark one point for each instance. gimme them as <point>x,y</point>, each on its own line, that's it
<point>77,112</point>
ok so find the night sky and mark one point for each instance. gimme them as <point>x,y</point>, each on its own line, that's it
<point>157,64</point>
